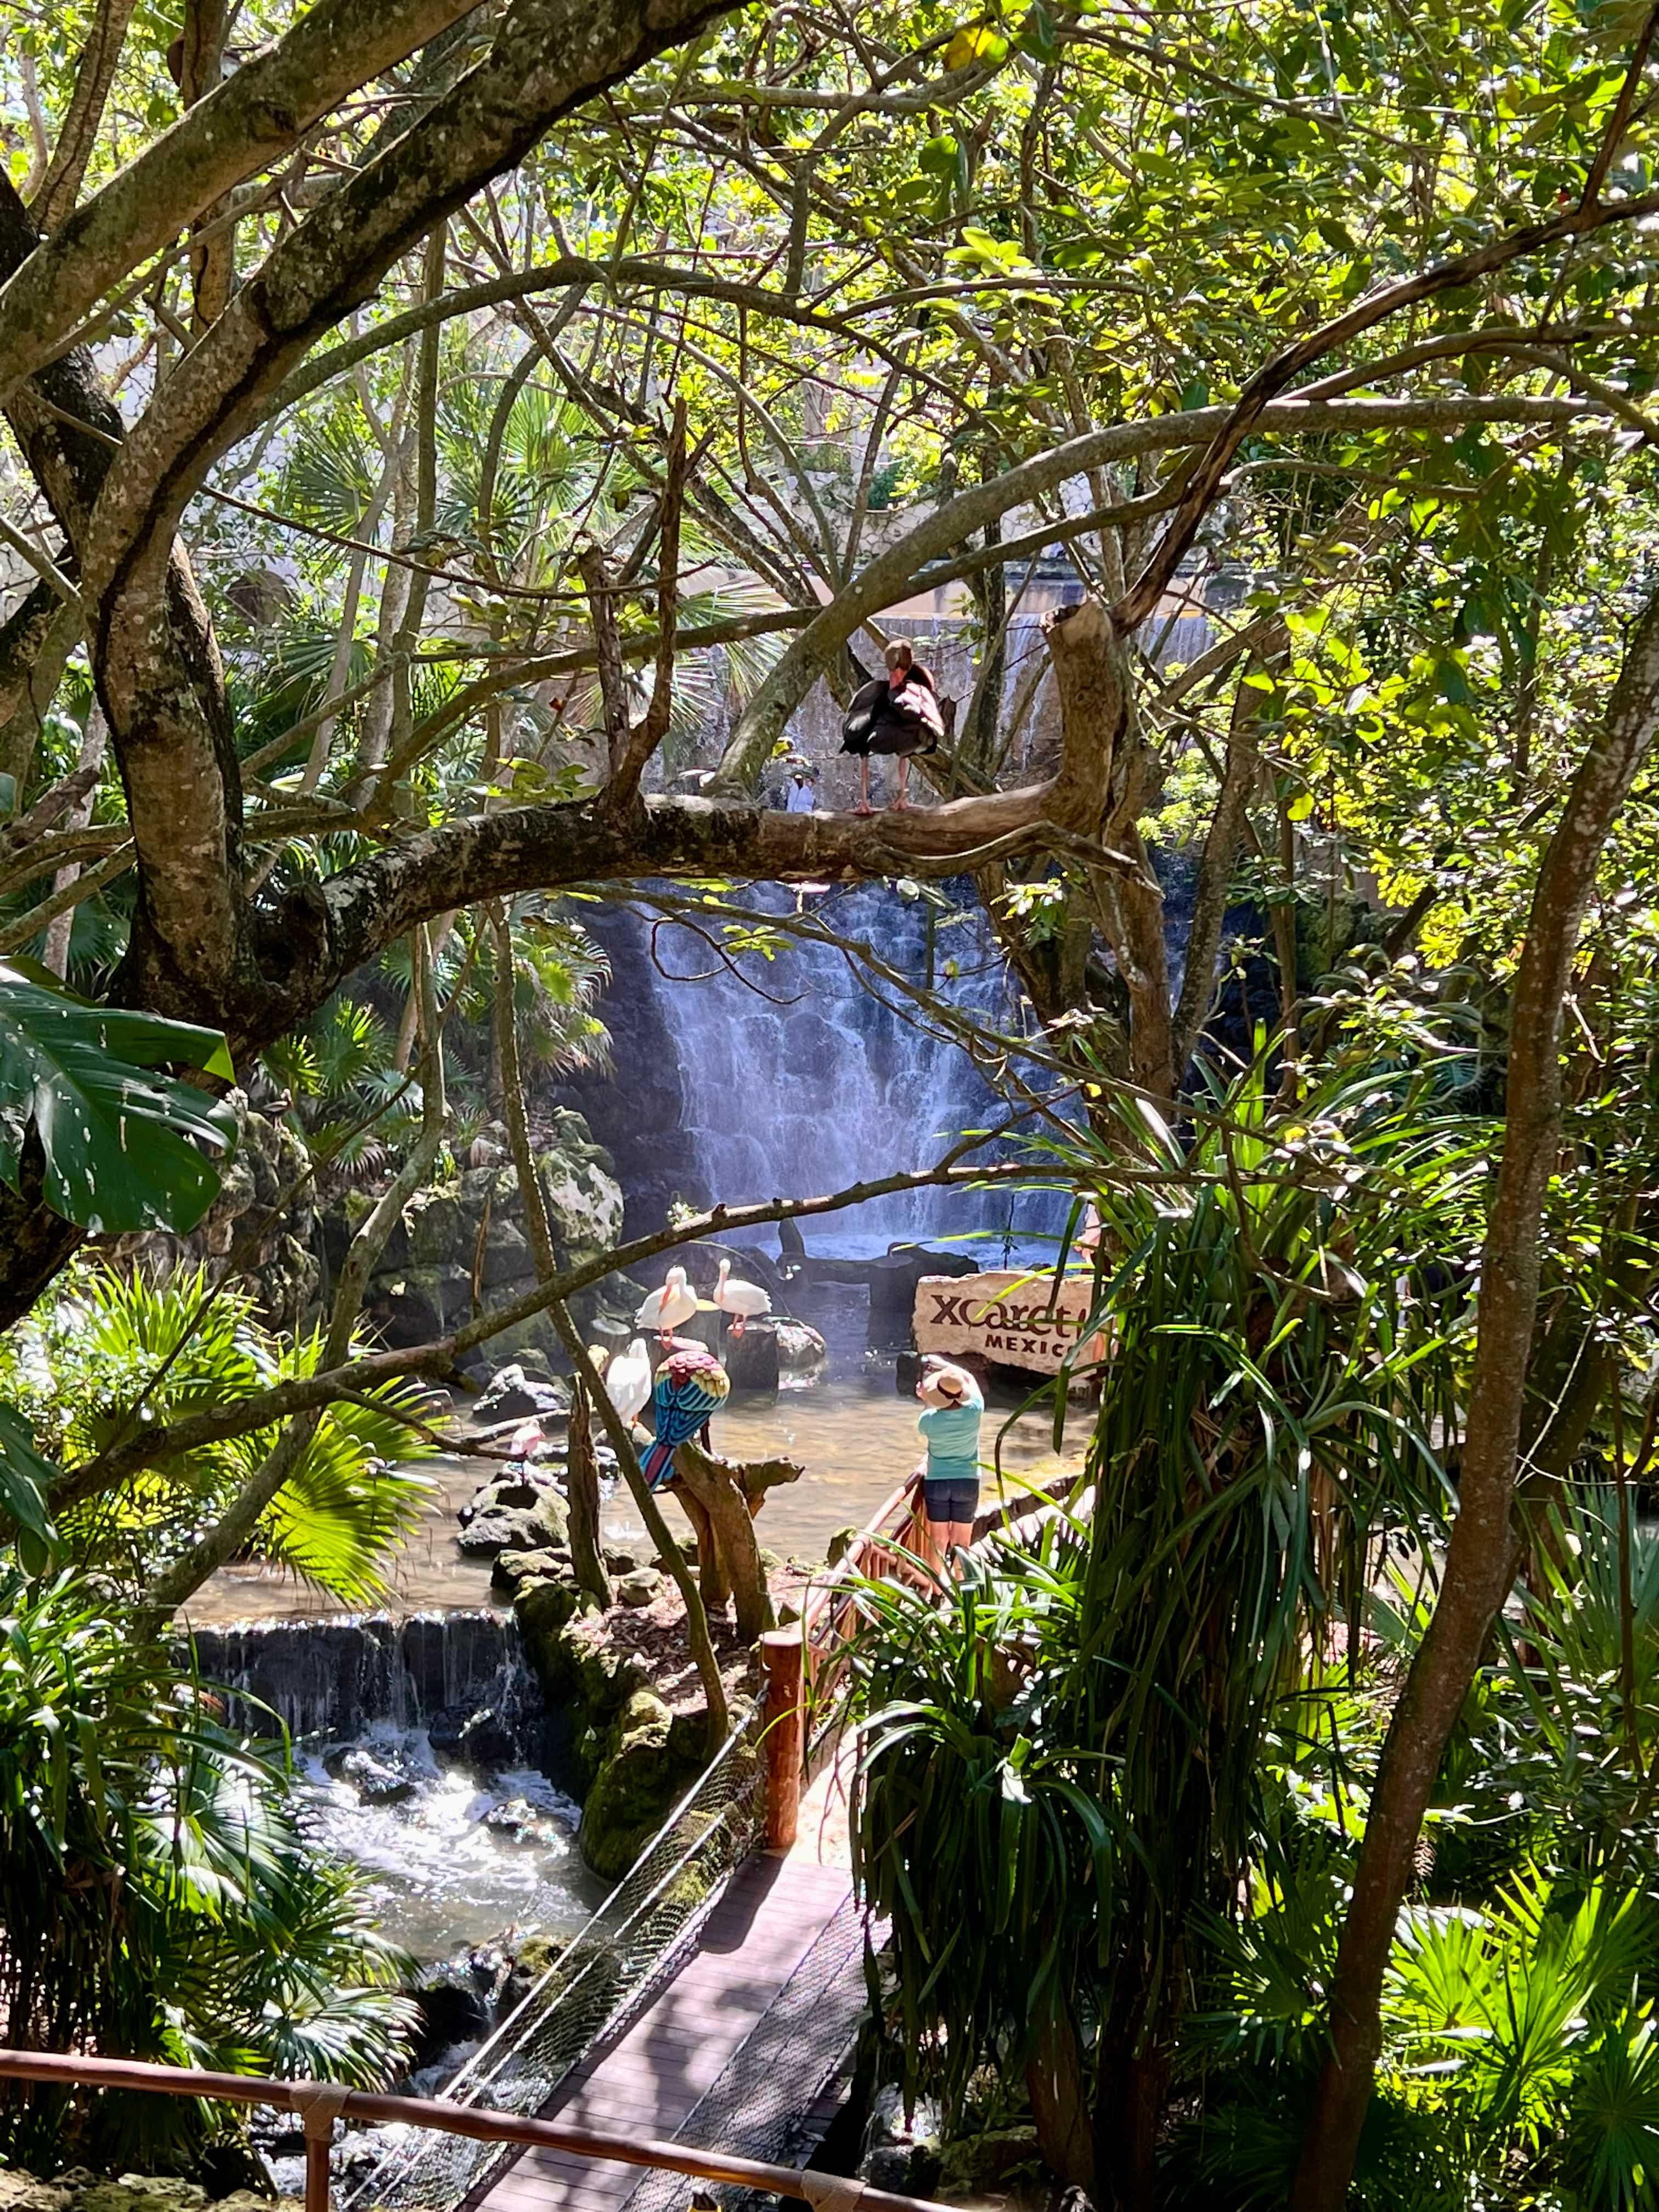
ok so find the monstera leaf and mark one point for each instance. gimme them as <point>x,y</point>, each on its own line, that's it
<point>126,1149</point>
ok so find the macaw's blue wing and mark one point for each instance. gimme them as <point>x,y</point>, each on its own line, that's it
<point>682,1407</point>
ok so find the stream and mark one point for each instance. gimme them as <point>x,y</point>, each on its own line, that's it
<point>455,1854</point>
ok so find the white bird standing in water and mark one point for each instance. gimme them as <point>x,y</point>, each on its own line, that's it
<point>742,1301</point>
<point>666,1310</point>
<point>628,1380</point>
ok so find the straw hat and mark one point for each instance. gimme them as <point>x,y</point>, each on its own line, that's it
<point>950,1386</point>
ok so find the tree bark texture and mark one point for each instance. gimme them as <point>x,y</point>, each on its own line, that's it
<point>582,1490</point>
<point>94,74</point>
<point>713,1484</point>
<point>1483,1551</point>
<point>1222,847</point>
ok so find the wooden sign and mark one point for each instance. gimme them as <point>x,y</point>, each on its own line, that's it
<point>1018,1320</point>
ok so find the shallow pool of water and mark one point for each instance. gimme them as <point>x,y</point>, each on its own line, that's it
<point>854,1433</point>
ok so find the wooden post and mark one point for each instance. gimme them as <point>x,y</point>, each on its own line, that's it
<point>317,2150</point>
<point>319,2105</point>
<point>785,1713</point>
<point>582,1489</point>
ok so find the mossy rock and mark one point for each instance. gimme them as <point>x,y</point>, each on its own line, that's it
<point>537,1952</point>
<point>981,2165</point>
<point>543,1606</point>
<point>636,1788</point>
<point>538,1528</point>
<point>566,1648</point>
<point>142,2192</point>
<point>515,1570</point>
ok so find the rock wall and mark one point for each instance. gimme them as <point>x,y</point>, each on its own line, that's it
<point>265,1214</point>
<point>633,1756</point>
<point>461,1245</point>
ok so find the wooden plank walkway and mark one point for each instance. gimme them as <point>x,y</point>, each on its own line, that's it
<point>649,2078</point>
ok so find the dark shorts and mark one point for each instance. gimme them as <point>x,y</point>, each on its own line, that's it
<point>950,1500</point>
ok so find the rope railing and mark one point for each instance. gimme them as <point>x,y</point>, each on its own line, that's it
<point>320,2104</point>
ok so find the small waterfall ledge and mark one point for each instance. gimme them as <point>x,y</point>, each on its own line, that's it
<point>339,1677</point>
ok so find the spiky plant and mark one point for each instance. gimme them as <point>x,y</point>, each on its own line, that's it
<point>1277,1364</point>
<point>124,1353</point>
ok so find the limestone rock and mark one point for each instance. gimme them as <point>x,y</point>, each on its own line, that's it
<point>265,1191</point>
<point>468,1236</point>
<point>513,1570</point>
<point>21,2192</point>
<point>800,1349</point>
<point>517,1527</point>
<point>513,1395</point>
<point>636,1786</point>
<point>639,1588</point>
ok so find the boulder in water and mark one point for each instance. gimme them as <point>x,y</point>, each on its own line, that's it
<point>452,2009</point>
<point>506,1490</point>
<point>800,1349</point>
<point>519,1821</point>
<point>513,1570</point>
<point>517,1527</point>
<point>374,1782</point>
<point>752,1359</point>
<point>483,1740</point>
<point>513,1395</point>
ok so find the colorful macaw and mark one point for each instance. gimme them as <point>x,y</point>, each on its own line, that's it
<point>690,1386</point>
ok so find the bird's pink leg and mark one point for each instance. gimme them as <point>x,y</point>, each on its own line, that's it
<point>864,805</point>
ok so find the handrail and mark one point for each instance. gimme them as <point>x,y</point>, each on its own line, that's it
<point>320,2103</point>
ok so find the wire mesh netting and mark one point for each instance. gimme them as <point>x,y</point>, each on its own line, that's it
<point>762,2104</point>
<point>605,1974</point>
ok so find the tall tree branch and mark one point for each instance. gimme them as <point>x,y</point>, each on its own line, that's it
<point>1484,1549</point>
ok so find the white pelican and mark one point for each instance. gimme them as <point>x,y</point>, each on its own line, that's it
<point>628,1380</point>
<point>741,1301</point>
<point>666,1310</point>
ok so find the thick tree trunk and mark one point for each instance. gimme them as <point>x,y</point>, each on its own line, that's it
<point>1482,1553</point>
<point>715,1486</point>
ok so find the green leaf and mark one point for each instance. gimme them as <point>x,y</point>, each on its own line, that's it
<point>25,1480</point>
<point>123,1146</point>
<point>975,42</point>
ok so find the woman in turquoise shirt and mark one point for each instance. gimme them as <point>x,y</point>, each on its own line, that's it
<point>949,1488</point>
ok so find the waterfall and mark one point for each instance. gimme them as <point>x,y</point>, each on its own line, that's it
<point>336,1677</point>
<point>808,1082</point>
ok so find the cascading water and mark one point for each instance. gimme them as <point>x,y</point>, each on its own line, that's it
<point>808,1082</point>
<point>420,1742</point>
<point>336,1678</point>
